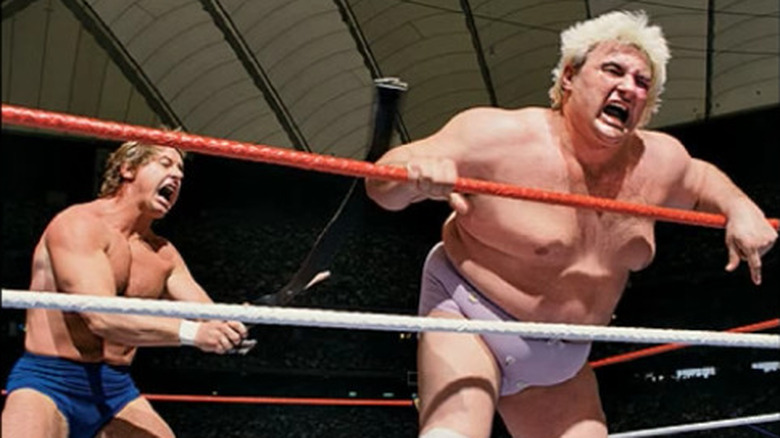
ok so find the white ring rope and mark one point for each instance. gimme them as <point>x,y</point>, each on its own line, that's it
<point>707,425</point>
<point>386,322</point>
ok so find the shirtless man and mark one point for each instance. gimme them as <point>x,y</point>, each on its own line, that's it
<point>73,379</point>
<point>505,259</point>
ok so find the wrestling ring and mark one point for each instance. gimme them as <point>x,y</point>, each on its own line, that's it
<point>265,315</point>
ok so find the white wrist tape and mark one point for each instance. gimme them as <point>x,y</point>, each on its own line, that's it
<point>187,332</point>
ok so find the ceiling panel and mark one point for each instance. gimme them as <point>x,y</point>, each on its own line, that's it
<point>745,63</point>
<point>186,58</point>
<point>63,37</point>
<point>521,44</point>
<point>298,73</point>
<point>301,46</point>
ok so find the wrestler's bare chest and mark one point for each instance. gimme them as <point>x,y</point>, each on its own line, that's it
<point>556,236</point>
<point>551,262</point>
<point>141,268</point>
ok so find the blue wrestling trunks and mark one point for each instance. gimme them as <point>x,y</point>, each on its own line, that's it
<point>522,362</point>
<point>88,395</point>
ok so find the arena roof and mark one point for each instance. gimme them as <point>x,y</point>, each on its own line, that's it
<point>298,73</point>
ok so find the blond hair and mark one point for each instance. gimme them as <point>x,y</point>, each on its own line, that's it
<point>133,154</point>
<point>621,26</point>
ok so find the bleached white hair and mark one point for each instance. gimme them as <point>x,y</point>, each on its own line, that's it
<point>621,26</point>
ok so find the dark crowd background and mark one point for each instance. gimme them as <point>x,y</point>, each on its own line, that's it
<point>244,228</point>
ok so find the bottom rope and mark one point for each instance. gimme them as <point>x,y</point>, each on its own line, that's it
<point>693,427</point>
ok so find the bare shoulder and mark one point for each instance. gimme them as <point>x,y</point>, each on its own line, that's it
<point>664,149</point>
<point>662,143</point>
<point>163,247</point>
<point>488,124</point>
<point>159,243</point>
<point>77,223</point>
<point>503,118</point>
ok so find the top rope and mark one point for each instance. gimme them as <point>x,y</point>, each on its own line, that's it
<point>17,299</point>
<point>342,166</point>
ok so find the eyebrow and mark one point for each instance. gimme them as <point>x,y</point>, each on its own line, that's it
<point>180,164</point>
<point>641,76</point>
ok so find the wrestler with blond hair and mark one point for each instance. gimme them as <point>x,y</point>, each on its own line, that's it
<point>504,259</point>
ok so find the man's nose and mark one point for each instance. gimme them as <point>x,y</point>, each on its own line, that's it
<point>627,87</point>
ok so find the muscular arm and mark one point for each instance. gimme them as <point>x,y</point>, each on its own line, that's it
<point>77,247</point>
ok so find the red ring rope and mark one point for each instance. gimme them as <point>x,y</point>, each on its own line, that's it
<point>191,398</point>
<point>652,351</point>
<point>16,115</point>
<point>619,358</point>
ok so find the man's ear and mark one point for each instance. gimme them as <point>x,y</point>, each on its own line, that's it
<point>566,77</point>
<point>126,172</point>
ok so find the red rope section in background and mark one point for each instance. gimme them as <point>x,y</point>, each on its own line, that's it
<point>625,357</point>
<point>342,166</point>
<point>619,358</point>
<point>652,351</point>
<point>279,400</point>
<point>184,398</point>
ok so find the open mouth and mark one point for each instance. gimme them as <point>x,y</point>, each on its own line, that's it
<point>616,111</point>
<point>167,191</point>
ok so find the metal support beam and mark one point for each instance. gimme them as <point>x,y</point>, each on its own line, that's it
<point>11,7</point>
<point>710,55</point>
<point>95,25</point>
<point>256,72</point>
<point>483,66</point>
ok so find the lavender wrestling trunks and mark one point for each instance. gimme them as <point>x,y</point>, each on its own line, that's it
<point>522,362</point>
